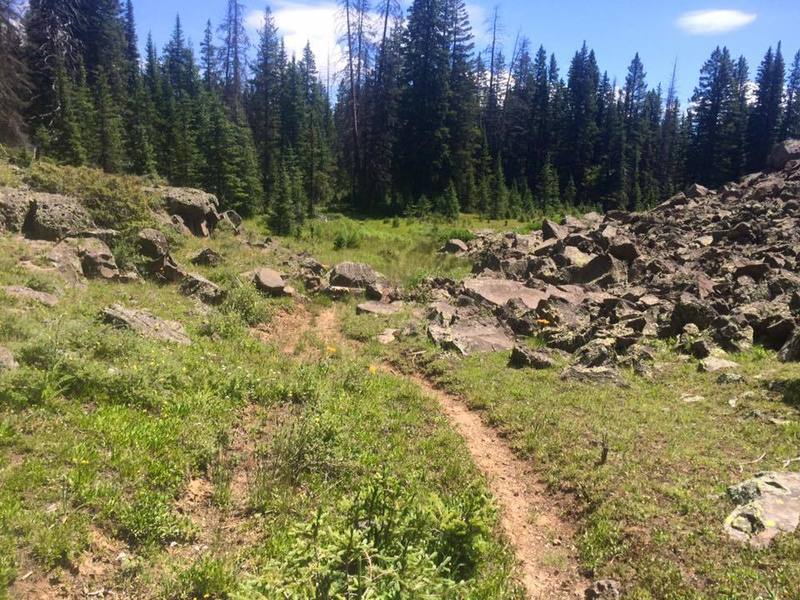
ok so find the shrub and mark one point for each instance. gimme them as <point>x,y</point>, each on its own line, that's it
<point>347,238</point>
<point>207,577</point>
<point>113,200</point>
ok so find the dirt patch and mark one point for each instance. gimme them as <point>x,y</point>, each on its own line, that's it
<point>541,539</point>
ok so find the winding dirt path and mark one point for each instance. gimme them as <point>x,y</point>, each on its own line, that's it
<point>541,539</point>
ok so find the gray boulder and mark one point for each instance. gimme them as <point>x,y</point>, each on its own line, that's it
<point>373,307</point>
<point>53,217</point>
<point>353,275</point>
<point>455,246</point>
<point>769,504</point>
<point>196,208</point>
<point>97,260</point>
<point>207,258</point>
<point>199,287</point>
<point>14,207</point>
<point>152,243</point>
<point>525,357</point>
<point>782,153</point>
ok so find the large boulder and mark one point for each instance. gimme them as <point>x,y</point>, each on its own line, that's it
<point>53,217</point>
<point>152,244</point>
<point>353,275</point>
<point>525,357</point>
<point>97,259</point>
<point>14,207</point>
<point>199,287</point>
<point>145,324</point>
<point>471,337</point>
<point>207,258</point>
<point>791,350</point>
<point>782,153</point>
<point>196,208</point>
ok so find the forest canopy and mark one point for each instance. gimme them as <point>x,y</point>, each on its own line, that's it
<point>420,119</point>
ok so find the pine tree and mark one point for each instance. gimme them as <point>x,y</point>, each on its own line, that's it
<point>582,86</point>
<point>450,206</point>
<point>110,151</point>
<point>14,84</point>
<point>547,192</point>
<point>233,56</point>
<point>423,141</point>
<point>765,118</point>
<point>714,99</point>
<point>498,207</point>
<point>63,138</point>
<point>791,119</point>
<point>282,213</point>
<point>208,59</point>
<point>265,103</point>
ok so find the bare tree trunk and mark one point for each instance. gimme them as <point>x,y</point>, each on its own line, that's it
<point>353,96</point>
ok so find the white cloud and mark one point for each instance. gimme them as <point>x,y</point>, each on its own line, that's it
<point>299,23</point>
<point>708,22</point>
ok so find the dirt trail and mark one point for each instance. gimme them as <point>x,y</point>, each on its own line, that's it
<point>541,539</point>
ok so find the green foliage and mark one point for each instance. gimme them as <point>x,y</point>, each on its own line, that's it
<point>112,200</point>
<point>386,540</point>
<point>207,577</point>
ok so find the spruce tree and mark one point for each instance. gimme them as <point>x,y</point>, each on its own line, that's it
<point>14,84</point>
<point>791,119</point>
<point>450,206</point>
<point>63,139</point>
<point>765,118</point>
<point>110,149</point>
<point>547,192</point>
<point>498,207</point>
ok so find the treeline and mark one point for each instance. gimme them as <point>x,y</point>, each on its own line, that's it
<point>422,121</point>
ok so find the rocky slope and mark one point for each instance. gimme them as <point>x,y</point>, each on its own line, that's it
<point>718,269</point>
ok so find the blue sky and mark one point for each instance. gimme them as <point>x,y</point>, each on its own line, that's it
<point>662,32</point>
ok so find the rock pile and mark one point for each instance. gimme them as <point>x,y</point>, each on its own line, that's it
<point>718,269</point>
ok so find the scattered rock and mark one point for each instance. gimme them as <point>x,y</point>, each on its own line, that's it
<point>523,356</point>
<point>603,589</point>
<point>207,258</point>
<point>353,275</point>
<point>152,244</point>
<point>199,287</point>
<point>269,282</point>
<point>387,336</point>
<point>97,260</point>
<point>769,504</point>
<point>455,246</point>
<point>373,307</point>
<point>471,337</point>
<point>692,398</point>
<point>791,350</point>
<point>7,361</point>
<point>712,364</point>
<point>196,208</point>
<point>593,375</point>
<point>145,324</point>
<point>26,293</point>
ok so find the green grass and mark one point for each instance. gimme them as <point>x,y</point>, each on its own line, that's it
<point>102,432</point>
<point>403,249</point>
<point>652,515</point>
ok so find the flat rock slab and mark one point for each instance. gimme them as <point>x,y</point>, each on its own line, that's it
<point>593,375</point>
<point>26,293</point>
<point>499,291</point>
<point>470,337</point>
<point>373,307</point>
<point>145,324</point>
<point>769,504</point>
<point>353,275</point>
<point>712,364</point>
